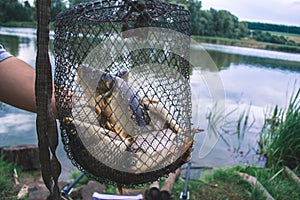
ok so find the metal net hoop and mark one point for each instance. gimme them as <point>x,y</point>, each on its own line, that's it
<point>123,99</point>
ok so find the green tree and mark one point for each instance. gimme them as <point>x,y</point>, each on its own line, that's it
<point>244,31</point>
<point>194,7</point>
<point>195,16</point>
<point>56,7</point>
<point>14,11</point>
<point>221,24</point>
<point>268,37</point>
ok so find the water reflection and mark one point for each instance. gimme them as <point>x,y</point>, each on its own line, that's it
<point>11,43</point>
<point>224,60</point>
<point>259,53</point>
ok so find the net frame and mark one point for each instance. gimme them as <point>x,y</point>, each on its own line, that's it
<point>79,30</point>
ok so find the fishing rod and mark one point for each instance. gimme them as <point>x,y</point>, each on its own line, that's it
<point>186,194</point>
<point>66,191</point>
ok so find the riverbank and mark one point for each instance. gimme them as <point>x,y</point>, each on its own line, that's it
<point>225,183</point>
<point>247,43</point>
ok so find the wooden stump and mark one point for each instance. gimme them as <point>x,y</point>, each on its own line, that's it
<point>25,156</point>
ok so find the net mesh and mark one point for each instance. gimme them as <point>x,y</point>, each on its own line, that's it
<point>122,88</point>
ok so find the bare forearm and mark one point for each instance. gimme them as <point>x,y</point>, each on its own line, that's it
<point>17,81</point>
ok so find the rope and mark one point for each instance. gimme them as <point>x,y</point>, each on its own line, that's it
<point>45,122</point>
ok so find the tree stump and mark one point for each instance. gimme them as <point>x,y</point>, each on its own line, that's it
<point>25,156</point>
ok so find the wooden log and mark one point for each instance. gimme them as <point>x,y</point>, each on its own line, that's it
<point>25,156</point>
<point>253,181</point>
<point>169,182</point>
<point>153,192</point>
<point>292,175</point>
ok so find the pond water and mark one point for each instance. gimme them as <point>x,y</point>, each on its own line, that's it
<point>253,81</point>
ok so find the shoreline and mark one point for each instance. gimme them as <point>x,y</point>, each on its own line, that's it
<point>247,43</point>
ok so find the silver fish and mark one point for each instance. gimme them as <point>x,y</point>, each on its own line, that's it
<point>115,102</point>
<point>110,119</point>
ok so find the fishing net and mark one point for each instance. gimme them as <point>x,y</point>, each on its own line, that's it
<point>122,88</point>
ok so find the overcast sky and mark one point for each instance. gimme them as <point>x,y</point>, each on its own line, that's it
<point>270,11</point>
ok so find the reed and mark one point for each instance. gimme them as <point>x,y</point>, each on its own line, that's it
<point>232,127</point>
<point>280,139</point>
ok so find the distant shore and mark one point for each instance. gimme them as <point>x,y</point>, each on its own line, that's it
<point>247,43</point>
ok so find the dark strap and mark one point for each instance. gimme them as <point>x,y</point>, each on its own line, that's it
<point>45,122</point>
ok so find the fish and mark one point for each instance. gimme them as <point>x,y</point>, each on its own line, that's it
<point>116,104</point>
<point>157,107</point>
<point>121,129</point>
<point>162,144</point>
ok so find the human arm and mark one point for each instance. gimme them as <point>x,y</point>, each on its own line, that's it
<point>17,84</point>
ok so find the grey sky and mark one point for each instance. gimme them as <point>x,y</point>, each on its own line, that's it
<point>270,11</point>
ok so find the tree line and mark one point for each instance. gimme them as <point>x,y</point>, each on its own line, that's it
<point>221,23</point>
<point>217,23</point>
<point>13,10</point>
<point>273,27</point>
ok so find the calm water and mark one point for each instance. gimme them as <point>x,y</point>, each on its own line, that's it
<point>253,77</point>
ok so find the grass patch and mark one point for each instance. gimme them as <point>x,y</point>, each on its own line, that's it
<point>7,186</point>
<point>225,184</point>
<point>220,184</point>
<point>275,181</point>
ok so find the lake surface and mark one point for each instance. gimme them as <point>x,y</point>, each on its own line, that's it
<point>252,80</point>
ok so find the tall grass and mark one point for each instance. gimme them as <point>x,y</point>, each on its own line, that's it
<point>226,184</point>
<point>280,138</point>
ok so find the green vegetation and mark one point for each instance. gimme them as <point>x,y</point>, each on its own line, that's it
<point>223,24</point>
<point>219,184</point>
<point>213,22</point>
<point>246,42</point>
<point>7,189</point>
<point>276,182</point>
<point>272,38</point>
<point>227,184</point>
<point>273,27</point>
<point>14,11</point>
<point>26,24</point>
<point>82,181</point>
<point>280,139</point>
